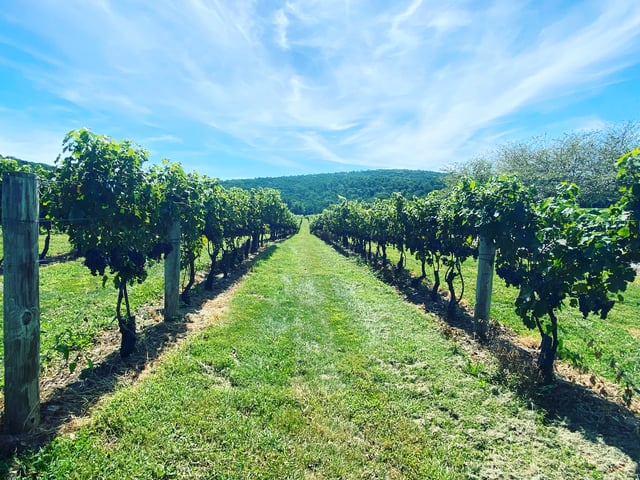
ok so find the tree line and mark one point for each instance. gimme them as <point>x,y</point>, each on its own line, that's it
<point>310,194</point>
<point>552,249</point>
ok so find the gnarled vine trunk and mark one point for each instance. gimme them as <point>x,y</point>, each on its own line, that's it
<point>185,296</point>
<point>127,324</point>
<point>213,255</point>
<point>436,284</point>
<point>47,240</point>
<point>453,301</point>
<point>400,265</point>
<point>548,351</point>
<point>255,243</point>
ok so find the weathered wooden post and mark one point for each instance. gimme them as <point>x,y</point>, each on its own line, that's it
<point>484,284</point>
<point>172,273</point>
<point>21,302</point>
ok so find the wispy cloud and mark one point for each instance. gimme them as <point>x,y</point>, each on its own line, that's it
<point>281,22</point>
<point>402,84</point>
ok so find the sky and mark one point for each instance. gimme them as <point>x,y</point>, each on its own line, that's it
<point>254,88</point>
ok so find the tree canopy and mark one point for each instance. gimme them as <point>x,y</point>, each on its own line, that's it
<point>585,158</point>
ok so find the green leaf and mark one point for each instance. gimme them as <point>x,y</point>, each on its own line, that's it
<point>624,232</point>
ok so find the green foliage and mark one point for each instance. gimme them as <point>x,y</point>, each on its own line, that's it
<point>118,215</point>
<point>423,241</point>
<point>231,215</point>
<point>554,251</point>
<point>105,204</point>
<point>445,236</point>
<point>41,169</point>
<point>586,158</point>
<point>500,209</point>
<point>574,257</point>
<point>629,179</point>
<point>310,194</point>
<point>177,196</point>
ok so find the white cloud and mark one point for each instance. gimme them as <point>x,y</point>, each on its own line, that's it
<point>281,22</point>
<point>161,138</point>
<point>409,84</point>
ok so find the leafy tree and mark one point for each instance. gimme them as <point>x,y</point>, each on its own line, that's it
<point>554,251</point>
<point>381,223</point>
<point>275,215</point>
<point>480,169</point>
<point>399,225</point>
<point>236,222</point>
<point>586,158</point>
<point>104,205</point>
<point>215,203</point>
<point>456,237</point>
<point>311,194</point>
<point>228,220</point>
<point>629,179</point>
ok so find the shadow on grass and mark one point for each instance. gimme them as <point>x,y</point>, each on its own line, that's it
<point>76,397</point>
<point>569,404</point>
<point>48,260</point>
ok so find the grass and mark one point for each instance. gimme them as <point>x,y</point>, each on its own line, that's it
<point>75,307</point>
<point>59,244</point>
<point>614,338</point>
<point>319,370</point>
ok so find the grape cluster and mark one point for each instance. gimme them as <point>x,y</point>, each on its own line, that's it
<point>160,249</point>
<point>96,261</point>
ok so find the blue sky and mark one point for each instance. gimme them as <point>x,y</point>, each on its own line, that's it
<point>238,89</point>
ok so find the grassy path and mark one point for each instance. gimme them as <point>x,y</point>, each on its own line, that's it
<point>319,370</point>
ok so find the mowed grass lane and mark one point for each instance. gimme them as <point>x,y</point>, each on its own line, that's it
<point>319,370</point>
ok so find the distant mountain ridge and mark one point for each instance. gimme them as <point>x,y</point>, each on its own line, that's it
<point>309,194</point>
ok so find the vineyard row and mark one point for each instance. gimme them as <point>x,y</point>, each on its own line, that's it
<point>552,250</point>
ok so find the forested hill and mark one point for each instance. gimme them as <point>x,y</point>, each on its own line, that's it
<point>5,162</point>
<point>308,194</point>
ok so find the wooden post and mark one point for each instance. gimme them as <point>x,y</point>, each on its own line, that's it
<point>172,273</point>
<point>21,302</point>
<point>484,284</point>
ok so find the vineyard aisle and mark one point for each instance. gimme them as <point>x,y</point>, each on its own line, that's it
<point>319,370</point>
